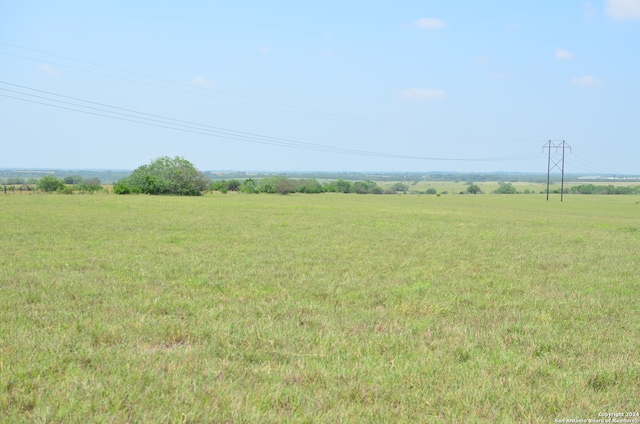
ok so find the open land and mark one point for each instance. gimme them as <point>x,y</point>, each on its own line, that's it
<point>318,308</point>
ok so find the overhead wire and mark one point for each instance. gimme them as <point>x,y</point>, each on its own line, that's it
<point>300,110</point>
<point>175,124</point>
<point>574,160</point>
<point>124,114</point>
<point>585,164</point>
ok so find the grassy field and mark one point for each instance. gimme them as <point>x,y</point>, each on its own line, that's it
<point>318,308</point>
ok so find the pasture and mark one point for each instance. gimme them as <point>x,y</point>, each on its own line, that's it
<point>318,308</point>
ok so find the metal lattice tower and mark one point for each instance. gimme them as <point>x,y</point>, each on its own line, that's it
<point>559,163</point>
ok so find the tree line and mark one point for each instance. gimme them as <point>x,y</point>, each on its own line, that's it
<point>284,185</point>
<point>178,176</point>
<point>604,189</point>
<point>50,184</point>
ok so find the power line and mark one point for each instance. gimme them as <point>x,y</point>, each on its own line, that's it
<point>300,110</point>
<point>130,115</point>
<point>593,167</point>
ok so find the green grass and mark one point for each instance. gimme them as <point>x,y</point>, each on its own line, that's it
<point>318,308</point>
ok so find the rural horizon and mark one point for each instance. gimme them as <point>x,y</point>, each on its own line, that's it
<point>319,212</point>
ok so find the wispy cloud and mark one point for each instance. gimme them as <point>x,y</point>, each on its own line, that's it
<point>264,50</point>
<point>420,94</point>
<point>201,82</point>
<point>586,81</point>
<point>562,54</point>
<point>483,59</point>
<point>623,9</point>
<point>43,68</point>
<point>430,23</point>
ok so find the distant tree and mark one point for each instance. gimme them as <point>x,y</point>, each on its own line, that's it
<point>49,184</point>
<point>309,185</point>
<point>398,187</point>
<point>343,186</point>
<point>218,185</point>
<point>90,186</point>
<point>474,189</point>
<point>15,180</point>
<point>366,187</point>
<point>73,179</point>
<point>431,191</point>
<point>233,185</point>
<point>505,188</point>
<point>330,188</point>
<point>284,186</point>
<point>267,185</point>
<point>165,175</point>
<point>248,186</point>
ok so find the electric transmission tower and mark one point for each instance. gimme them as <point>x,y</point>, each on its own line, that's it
<point>556,163</point>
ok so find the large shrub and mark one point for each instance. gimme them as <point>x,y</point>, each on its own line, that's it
<point>165,175</point>
<point>474,189</point>
<point>505,189</point>
<point>49,184</point>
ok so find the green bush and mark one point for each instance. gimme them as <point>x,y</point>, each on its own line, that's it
<point>248,186</point>
<point>165,175</point>
<point>343,186</point>
<point>366,187</point>
<point>398,187</point>
<point>49,184</point>
<point>474,189</point>
<point>89,188</point>
<point>505,189</point>
<point>330,188</point>
<point>66,189</point>
<point>73,179</point>
<point>310,185</point>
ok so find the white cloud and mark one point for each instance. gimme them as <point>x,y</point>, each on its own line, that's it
<point>421,94</point>
<point>562,54</point>
<point>623,9</point>
<point>200,82</point>
<point>585,81</point>
<point>483,59</point>
<point>430,23</point>
<point>264,50</point>
<point>43,68</point>
<point>514,27</point>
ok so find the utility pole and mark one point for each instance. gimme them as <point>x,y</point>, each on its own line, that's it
<point>559,163</point>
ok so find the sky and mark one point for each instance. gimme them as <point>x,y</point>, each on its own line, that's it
<point>375,86</point>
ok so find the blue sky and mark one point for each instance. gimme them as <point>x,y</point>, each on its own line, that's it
<point>353,86</point>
